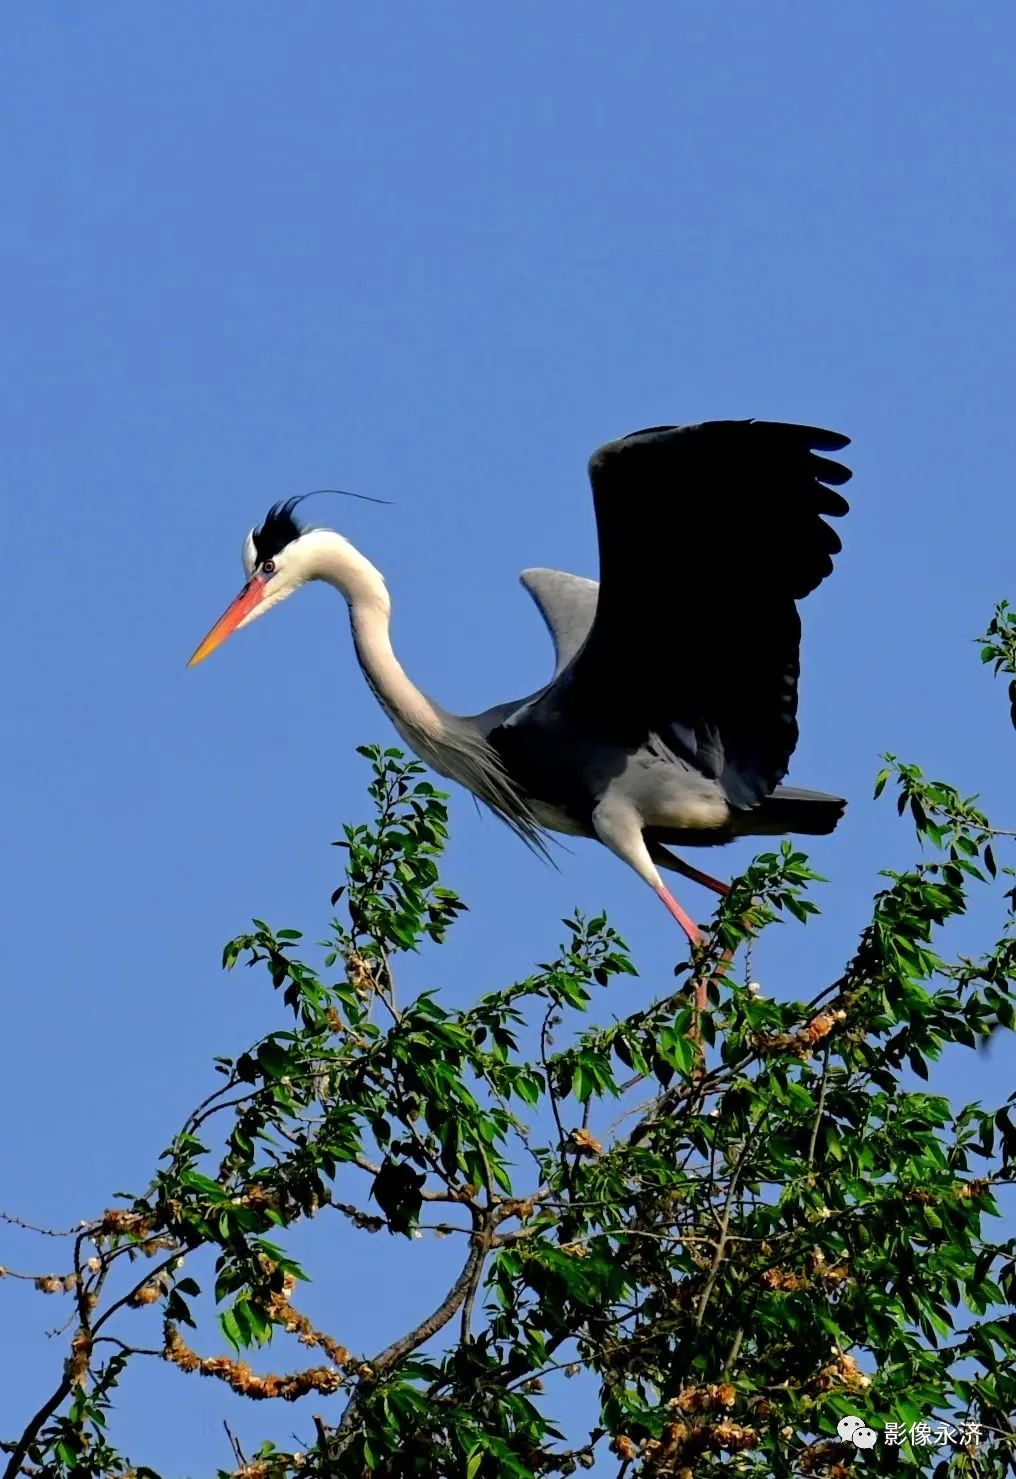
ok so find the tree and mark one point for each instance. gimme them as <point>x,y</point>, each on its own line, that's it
<point>793,1230</point>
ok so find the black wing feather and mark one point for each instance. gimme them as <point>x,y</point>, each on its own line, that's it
<point>708,536</point>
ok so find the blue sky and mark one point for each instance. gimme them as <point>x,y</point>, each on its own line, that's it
<point>437,254</point>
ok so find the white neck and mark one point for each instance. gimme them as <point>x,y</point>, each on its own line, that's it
<point>333,559</point>
<point>453,747</point>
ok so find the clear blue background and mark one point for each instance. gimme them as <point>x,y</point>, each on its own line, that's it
<point>437,254</point>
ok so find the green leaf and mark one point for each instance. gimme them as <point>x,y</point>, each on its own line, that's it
<point>231,1329</point>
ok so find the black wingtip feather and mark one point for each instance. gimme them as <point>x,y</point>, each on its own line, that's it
<point>830,472</point>
<point>826,441</point>
<point>825,501</point>
<point>818,438</point>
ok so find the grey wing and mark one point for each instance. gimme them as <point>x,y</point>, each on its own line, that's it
<point>708,537</point>
<point>567,604</point>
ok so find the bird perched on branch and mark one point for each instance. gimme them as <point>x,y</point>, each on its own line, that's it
<point>670,718</point>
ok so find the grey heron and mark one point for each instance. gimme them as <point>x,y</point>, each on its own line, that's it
<point>671,715</point>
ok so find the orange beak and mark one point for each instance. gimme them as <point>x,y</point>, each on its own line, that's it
<point>251,596</point>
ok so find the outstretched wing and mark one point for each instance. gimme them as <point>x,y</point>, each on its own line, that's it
<point>567,604</point>
<point>708,537</point>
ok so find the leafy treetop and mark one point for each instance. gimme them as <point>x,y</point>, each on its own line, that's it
<point>743,1224</point>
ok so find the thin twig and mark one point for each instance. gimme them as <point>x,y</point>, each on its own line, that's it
<point>234,1443</point>
<point>722,1240</point>
<point>46,1232</point>
<point>130,1350</point>
<point>819,1108</point>
<point>389,996</point>
<point>13,1273</point>
<point>551,1091</point>
<point>735,1350</point>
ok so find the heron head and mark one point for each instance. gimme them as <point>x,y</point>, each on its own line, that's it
<point>278,558</point>
<point>275,566</point>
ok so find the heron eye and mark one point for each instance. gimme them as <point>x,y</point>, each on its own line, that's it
<point>269,567</point>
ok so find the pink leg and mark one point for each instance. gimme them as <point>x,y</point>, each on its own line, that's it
<point>689,926</point>
<point>694,934</point>
<point>705,879</point>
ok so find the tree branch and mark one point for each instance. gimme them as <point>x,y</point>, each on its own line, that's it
<point>28,1437</point>
<point>340,1440</point>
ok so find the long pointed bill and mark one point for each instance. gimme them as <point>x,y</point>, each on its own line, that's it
<point>251,596</point>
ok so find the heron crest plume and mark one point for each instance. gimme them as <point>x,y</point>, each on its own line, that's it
<point>280,527</point>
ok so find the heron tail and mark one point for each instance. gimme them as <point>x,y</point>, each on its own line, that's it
<point>789,809</point>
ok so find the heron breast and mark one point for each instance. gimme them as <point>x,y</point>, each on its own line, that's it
<point>556,820</point>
